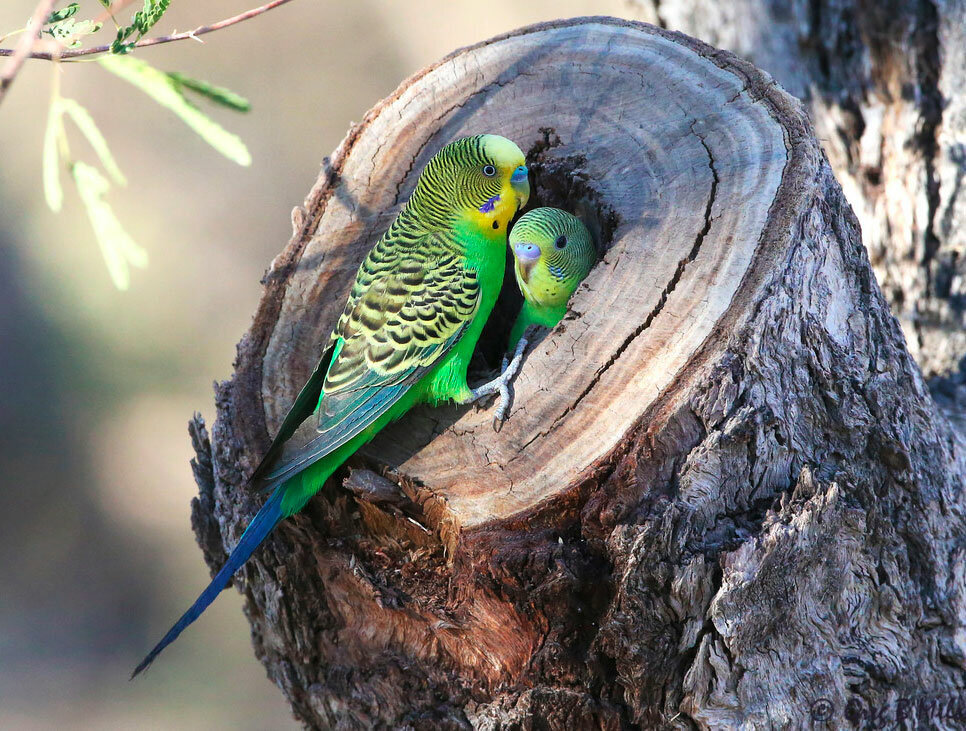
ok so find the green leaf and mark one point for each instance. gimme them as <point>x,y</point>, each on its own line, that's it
<point>142,22</point>
<point>70,31</point>
<point>160,7</point>
<point>119,250</point>
<point>85,27</point>
<point>118,46</point>
<point>85,123</point>
<point>160,87</point>
<point>217,94</point>
<point>106,3</point>
<point>62,14</point>
<point>53,192</point>
<point>59,30</point>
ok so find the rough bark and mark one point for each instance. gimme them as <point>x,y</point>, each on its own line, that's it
<point>724,495</point>
<point>884,83</point>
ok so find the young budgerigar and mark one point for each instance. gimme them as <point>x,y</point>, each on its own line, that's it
<point>553,251</point>
<point>406,334</point>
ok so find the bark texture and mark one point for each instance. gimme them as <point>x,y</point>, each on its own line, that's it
<point>884,83</point>
<point>724,496</point>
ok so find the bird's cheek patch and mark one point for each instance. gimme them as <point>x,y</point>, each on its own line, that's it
<point>490,205</point>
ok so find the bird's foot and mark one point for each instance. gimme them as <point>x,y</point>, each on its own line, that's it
<point>501,384</point>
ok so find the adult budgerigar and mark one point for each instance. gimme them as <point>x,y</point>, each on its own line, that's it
<point>405,336</point>
<point>553,251</point>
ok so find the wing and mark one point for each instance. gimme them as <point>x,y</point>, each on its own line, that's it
<point>412,301</point>
<point>303,407</point>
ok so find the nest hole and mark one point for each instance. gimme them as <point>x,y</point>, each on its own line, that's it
<point>557,180</point>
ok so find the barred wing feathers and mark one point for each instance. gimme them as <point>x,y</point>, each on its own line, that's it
<point>411,302</point>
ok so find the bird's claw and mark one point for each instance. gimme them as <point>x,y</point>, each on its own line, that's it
<point>501,384</point>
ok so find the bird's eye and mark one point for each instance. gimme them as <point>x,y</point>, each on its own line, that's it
<point>489,171</point>
<point>560,242</point>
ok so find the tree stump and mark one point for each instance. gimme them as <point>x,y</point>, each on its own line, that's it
<point>723,495</point>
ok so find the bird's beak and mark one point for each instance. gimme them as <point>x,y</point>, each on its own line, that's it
<point>523,271</point>
<point>520,180</point>
<point>527,255</point>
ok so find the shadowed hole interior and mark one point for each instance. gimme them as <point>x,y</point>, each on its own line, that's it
<point>557,181</point>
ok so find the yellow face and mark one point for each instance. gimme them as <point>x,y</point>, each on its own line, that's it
<point>501,172</point>
<point>553,251</point>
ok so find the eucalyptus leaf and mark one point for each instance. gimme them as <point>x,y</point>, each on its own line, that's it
<point>165,91</point>
<point>119,250</point>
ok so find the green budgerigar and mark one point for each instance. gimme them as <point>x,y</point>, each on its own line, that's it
<point>406,335</point>
<point>553,251</point>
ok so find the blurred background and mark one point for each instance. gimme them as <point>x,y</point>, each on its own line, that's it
<point>97,557</point>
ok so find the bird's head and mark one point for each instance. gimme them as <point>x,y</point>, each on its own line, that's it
<point>484,178</point>
<point>553,251</point>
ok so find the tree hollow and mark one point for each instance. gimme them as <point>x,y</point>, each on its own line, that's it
<point>682,163</point>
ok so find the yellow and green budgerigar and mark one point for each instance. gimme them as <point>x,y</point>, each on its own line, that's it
<point>553,251</point>
<point>406,334</point>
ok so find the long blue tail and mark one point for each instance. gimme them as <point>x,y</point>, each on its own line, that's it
<point>261,525</point>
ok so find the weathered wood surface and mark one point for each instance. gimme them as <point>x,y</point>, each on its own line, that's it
<point>723,496</point>
<point>666,265</point>
<point>884,84</point>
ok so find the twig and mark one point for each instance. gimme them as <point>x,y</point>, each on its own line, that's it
<point>22,51</point>
<point>110,12</point>
<point>199,31</point>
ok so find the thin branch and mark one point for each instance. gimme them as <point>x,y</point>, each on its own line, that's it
<point>22,51</point>
<point>199,31</point>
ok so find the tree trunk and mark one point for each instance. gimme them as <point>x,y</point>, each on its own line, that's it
<point>723,495</point>
<point>884,84</point>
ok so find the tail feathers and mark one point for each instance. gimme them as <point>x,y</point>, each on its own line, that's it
<point>261,525</point>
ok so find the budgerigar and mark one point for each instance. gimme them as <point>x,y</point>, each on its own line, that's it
<point>553,251</point>
<point>406,335</point>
